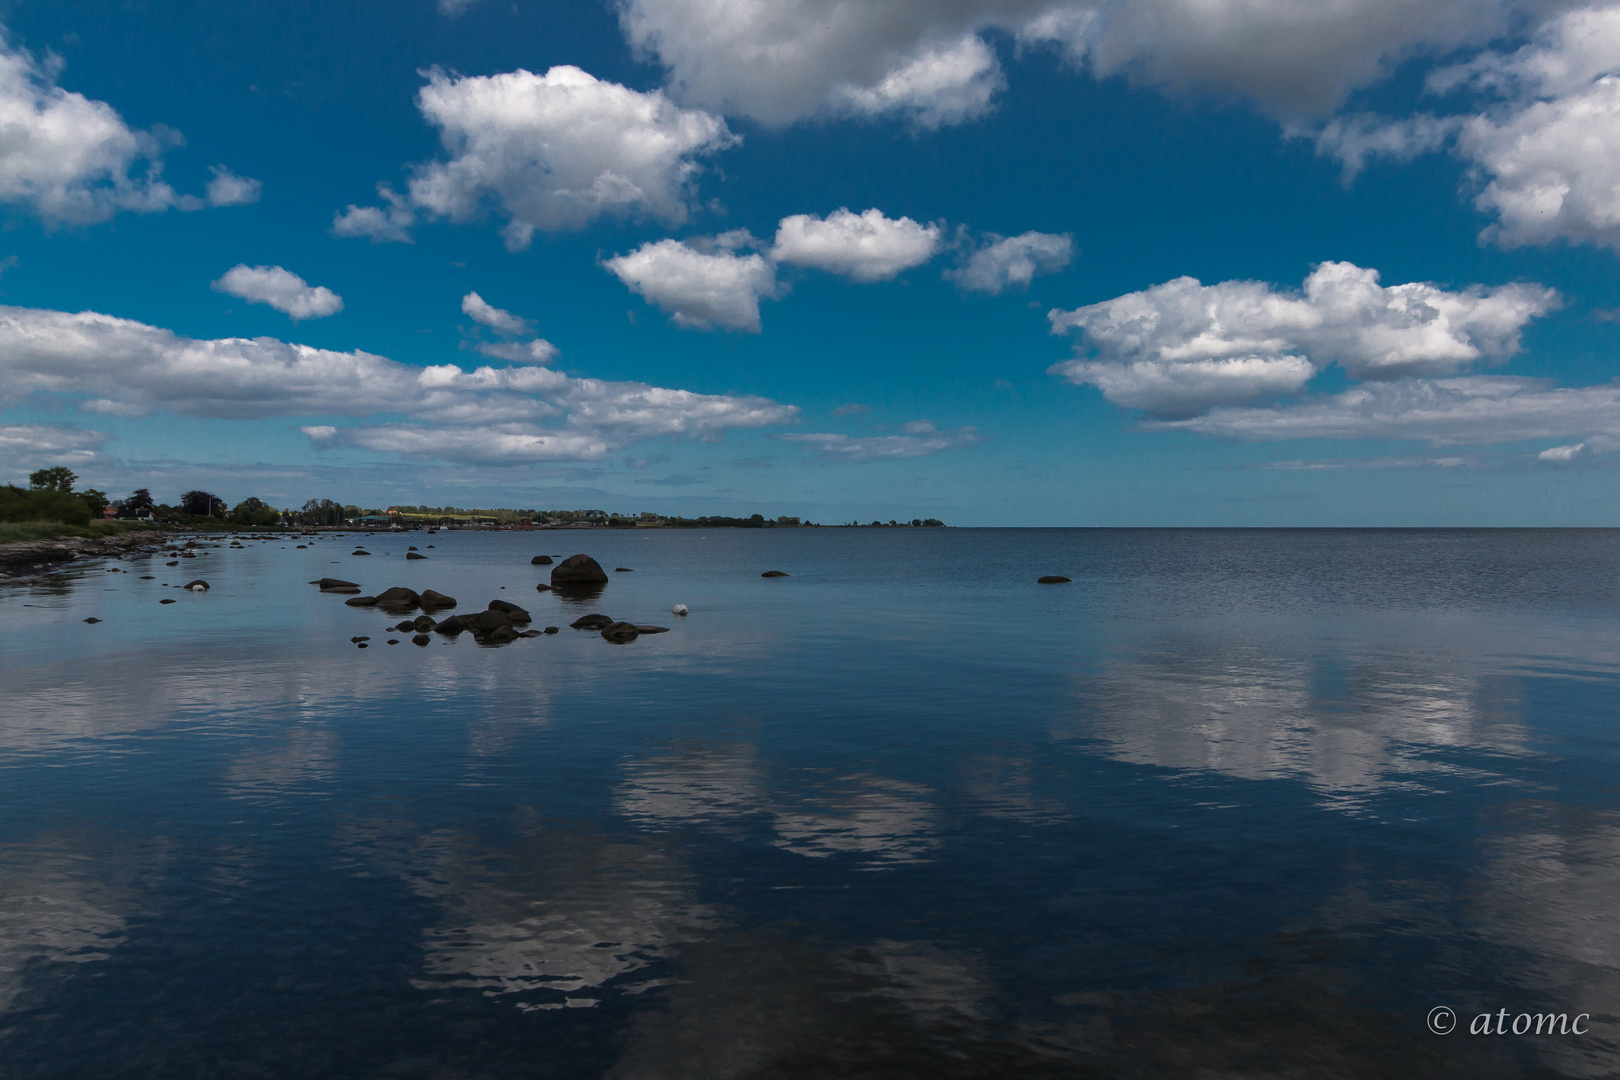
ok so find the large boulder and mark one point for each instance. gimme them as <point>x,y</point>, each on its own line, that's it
<point>621,633</point>
<point>540,560</point>
<point>399,596</point>
<point>578,570</point>
<point>431,599</point>
<point>591,622</point>
<point>361,601</point>
<point>511,610</point>
<point>487,621</point>
<point>332,584</point>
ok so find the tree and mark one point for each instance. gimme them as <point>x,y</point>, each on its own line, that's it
<point>251,511</point>
<point>56,478</point>
<point>140,499</point>
<point>97,501</point>
<point>199,503</point>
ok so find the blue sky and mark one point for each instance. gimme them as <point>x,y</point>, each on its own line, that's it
<point>1027,262</point>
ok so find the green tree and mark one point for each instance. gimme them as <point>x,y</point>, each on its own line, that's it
<point>200,503</point>
<point>252,511</point>
<point>97,501</point>
<point>140,499</point>
<point>56,478</point>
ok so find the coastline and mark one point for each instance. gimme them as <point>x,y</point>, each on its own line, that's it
<point>22,560</point>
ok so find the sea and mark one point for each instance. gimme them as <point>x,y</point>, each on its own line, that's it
<point>1229,803</point>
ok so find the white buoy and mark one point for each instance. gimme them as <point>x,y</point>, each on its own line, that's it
<point>678,609</point>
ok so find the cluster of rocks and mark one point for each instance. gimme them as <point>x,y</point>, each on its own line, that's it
<point>614,630</point>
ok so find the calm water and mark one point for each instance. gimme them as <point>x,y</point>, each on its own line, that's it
<point>1232,804</point>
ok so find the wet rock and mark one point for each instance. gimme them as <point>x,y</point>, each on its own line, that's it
<point>773,573</point>
<point>530,633</point>
<point>358,552</point>
<point>361,601</point>
<point>540,560</point>
<point>431,599</point>
<point>399,597</point>
<point>411,548</point>
<point>488,621</point>
<point>551,629</point>
<point>652,629</point>
<point>679,609</point>
<point>423,624</point>
<point>1053,579</point>
<point>92,619</point>
<point>420,639</point>
<point>501,634</point>
<point>194,583</point>
<point>363,637</point>
<point>147,577</point>
<point>515,613</point>
<point>578,570</point>
<point>408,624</point>
<point>454,625</point>
<point>175,563</point>
<point>542,587</point>
<point>621,633</point>
<point>623,570</point>
<point>414,555</point>
<point>393,641</point>
<point>363,645</point>
<point>334,583</point>
<point>165,601</point>
<point>591,622</point>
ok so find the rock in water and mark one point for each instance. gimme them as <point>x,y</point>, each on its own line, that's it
<point>512,611</point>
<point>551,629</point>
<point>420,639</point>
<point>412,548</point>
<point>334,583</point>
<point>399,596</point>
<point>540,560</point>
<point>542,587</point>
<point>359,553</point>
<point>591,622</point>
<point>414,555</point>
<point>92,619</point>
<point>621,633</point>
<point>393,641</point>
<point>679,609</point>
<point>773,573</point>
<point>501,634</point>
<point>578,570</point>
<point>194,584</point>
<point>423,624</point>
<point>1052,579</point>
<point>652,629</point>
<point>361,601</point>
<point>166,601</point>
<point>430,600</point>
<point>623,570</point>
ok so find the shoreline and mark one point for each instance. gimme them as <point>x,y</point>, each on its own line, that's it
<point>22,561</point>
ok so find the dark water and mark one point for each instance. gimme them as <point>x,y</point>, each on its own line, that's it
<point>1232,804</point>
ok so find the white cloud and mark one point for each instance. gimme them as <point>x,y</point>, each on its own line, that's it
<point>68,158</point>
<point>31,446</point>
<point>1562,453</point>
<point>502,322</point>
<point>866,247</point>
<point>489,414</point>
<point>700,289</point>
<point>451,9</point>
<point>1469,411</point>
<point>281,289</point>
<point>1004,262</point>
<point>1182,347</point>
<point>1355,139</point>
<point>228,189</point>
<point>555,151</point>
<point>538,351</point>
<point>379,225</point>
<point>922,440</point>
<point>778,61</point>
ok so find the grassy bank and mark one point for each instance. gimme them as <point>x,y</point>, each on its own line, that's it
<point>12,532</point>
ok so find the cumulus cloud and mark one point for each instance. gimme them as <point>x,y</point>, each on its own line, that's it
<point>700,289</point>
<point>1004,262</point>
<point>778,61</point>
<point>553,151</point>
<point>1467,411</point>
<point>281,289</point>
<point>31,446</point>
<point>1181,348</point>
<point>1353,140</point>
<point>866,246</point>
<point>921,440</point>
<point>1562,453</point>
<point>69,159</point>
<point>502,322</point>
<point>490,414</point>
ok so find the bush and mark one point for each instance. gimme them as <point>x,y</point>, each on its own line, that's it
<point>18,504</point>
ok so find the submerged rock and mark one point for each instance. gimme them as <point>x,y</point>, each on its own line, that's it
<point>92,619</point>
<point>652,629</point>
<point>551,630</point>
<point>621,633</point>
<point>540,560</point>
<point>591,622</point>
<point>623,570</point>
<point>773,573</point>
<point>363,637</point>
<point>414,555</point>
<point>430,600</point>
<point>393,641</point>
<point>420,639</point>
<point>1053,579</point>
<point>334,583</point>
<point>422,624</point>
<point>502,634</point>
<point>542,587</point>
<point>578,570</point>
<point>361,601</point>
<point>166,601</point>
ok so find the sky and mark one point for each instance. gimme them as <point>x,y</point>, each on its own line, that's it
<point>998,262</point>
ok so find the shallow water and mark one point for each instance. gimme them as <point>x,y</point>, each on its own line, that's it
<point>1232,803</point>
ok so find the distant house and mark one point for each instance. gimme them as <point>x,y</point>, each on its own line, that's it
<point>109,511</point>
